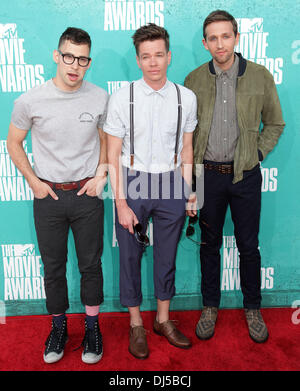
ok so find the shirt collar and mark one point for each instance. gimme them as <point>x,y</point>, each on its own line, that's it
<point>232,72</point>
<point>148,90</point>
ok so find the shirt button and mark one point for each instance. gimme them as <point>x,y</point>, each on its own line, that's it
<point>225,120</point>
<point>225,101</point>
<point>225,139</point>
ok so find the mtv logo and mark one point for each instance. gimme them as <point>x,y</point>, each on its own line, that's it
<point>8,30</point>
<point>21,250</point>
<point>254,25</point>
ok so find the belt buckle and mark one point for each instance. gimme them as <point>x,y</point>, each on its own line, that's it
<point>64,186</point>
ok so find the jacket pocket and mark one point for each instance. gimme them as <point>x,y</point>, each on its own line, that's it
<point>251,148</point>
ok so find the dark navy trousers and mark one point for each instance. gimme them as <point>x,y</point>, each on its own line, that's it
<point>244,200</point>
<point>168,216</point>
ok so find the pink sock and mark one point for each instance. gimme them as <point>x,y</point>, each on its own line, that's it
<point>92,310</point>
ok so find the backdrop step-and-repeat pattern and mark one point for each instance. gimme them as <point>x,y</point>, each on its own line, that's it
<point>29,32</point>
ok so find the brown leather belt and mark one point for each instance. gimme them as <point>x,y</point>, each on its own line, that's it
<point>222,168</point>
<point>66,186</point>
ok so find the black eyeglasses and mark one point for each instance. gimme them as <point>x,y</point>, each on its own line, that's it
<point>69,59</point>
<point>190,230</point>
<point>140,237</point>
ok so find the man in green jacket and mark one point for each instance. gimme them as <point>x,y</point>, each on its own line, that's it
<point>234,97</point>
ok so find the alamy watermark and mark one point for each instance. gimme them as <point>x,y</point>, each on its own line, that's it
<point>164,183</point>
<point>296,314</point>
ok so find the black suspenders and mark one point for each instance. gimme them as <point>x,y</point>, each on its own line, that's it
<point>131,118</point>
<point>179,120</point>
<point>131,126</point>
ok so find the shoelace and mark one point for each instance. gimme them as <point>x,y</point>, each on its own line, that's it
<point>254,315</point>
<point>175,323</point>
<point>207,313</point>
<point>92,339</point>
<point>55,338</point>
<point>141,330</point>
<point>169,326</point>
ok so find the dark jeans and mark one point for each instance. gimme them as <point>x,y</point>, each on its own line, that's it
<point>244,199</point>
<point>84,215</point>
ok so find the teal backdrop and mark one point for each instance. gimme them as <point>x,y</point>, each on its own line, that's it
<point>29,32</point>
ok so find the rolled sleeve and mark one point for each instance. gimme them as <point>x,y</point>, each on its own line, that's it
<point>191,121</point>
<point>113,124</point>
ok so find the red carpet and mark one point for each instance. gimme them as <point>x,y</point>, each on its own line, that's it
<point>231,349</point>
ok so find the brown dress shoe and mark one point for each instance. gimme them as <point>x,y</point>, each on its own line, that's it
<point>138,346</point>
<point>173,335</point>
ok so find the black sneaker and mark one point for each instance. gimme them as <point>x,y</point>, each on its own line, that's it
<point>55,343</point>
<point>92,345</point>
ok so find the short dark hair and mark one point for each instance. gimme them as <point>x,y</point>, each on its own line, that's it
<point>220,16</point>
<point>150,32</point>
<point>75,35</point>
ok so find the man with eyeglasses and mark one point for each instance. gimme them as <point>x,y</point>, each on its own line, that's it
<point>66,116</point>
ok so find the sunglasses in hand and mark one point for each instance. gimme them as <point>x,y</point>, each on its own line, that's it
<point>140,237</point>
<point>190,230</point>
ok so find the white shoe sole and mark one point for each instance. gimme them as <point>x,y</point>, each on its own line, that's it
<point>91,358</point>
<point>53,357</point>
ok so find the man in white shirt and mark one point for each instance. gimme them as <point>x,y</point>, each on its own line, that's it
<point>150,127</point>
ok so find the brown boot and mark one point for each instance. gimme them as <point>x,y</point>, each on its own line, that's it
<point>138,346</point>
<point>173,335</point>
<point>205,328</point>
<point>257,328</point>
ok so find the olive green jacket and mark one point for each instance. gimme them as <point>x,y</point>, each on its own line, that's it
<point>256,101</point>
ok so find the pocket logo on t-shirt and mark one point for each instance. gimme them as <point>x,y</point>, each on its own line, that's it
<point>86,117</point>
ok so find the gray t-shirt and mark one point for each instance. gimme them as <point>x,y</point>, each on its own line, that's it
<point>64,129</point>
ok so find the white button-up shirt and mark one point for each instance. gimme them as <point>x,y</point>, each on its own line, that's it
<point>155,124</point>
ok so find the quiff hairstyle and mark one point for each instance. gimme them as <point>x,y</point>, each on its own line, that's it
<point>220,16</point>
<point>150,32</point>
<point>76,36</point>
